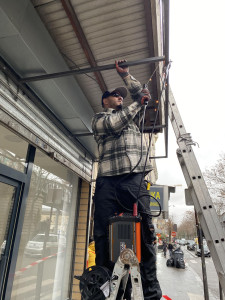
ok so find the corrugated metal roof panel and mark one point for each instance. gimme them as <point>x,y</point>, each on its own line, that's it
<point>115,29</point>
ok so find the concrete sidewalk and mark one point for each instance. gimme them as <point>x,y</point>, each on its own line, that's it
<point>179,284</point>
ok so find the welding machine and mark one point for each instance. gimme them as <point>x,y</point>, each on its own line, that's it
<point>124,232</point>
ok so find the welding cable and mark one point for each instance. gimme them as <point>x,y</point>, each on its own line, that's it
<point>126,208</point>
<point>150,137</point>
<point>149,212</point>
<point>142,128</point>
<point>142,131</point>
<point>125,177</point>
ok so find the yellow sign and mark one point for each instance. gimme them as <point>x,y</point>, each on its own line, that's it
<point>156,195</point>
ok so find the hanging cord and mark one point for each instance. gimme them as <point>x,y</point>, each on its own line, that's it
<point>150,79</point>
<point>142,130</point>
<point>149,213</point>
<point>150,137</point>
<point>119,182</point>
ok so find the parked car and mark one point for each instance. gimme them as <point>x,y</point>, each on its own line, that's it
<point>35,246</point>
<point>206,250</point>
<point>188,241</point>
<point>182,242</point>
<point>191,245</point>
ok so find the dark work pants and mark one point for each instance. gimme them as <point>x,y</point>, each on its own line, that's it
<point>114,195</point>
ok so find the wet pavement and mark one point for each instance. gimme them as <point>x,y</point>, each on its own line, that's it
<point>177,284</point>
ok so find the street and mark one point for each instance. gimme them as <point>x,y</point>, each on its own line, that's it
<point>212,278</point>
<point>186,284</point>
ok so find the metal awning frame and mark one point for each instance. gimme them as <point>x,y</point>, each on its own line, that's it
<point>21,82</point>
<point>92,69</point>
<point>12,75</point>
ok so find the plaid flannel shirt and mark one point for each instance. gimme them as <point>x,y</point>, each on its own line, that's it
<point>119,138</point>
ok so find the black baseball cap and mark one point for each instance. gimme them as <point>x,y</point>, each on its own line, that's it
<point>120,90</point>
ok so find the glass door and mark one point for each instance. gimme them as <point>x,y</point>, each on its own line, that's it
<point>9,205</point>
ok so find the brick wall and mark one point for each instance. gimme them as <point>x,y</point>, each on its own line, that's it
<point>79,263</point>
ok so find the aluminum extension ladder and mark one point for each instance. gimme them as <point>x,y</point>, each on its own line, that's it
<point>197,192</point>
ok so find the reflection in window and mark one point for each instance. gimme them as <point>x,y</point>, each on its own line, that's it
<point>45,252</point>
<point>13,150</point>
<point>7,198</point>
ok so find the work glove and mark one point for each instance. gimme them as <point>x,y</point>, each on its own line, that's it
<point>122,71</point>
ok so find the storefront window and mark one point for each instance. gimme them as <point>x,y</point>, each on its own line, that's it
<point>7,200</point>
<point>13,150</point>
<point>45,251</point>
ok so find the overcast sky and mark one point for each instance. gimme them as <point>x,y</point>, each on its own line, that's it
<point>197,78</point>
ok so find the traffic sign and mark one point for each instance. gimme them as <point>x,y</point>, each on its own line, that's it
<point>173,233</point>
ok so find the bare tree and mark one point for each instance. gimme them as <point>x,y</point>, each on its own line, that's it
<point>169,227</point>
<point>187,228</point>
<point>215,180</point>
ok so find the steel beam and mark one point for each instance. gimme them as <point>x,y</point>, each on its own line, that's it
<point>93,69</point>
<point>147,128</point>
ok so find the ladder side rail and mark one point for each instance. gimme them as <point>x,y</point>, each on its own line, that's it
<point>212,228</point>
<point>202,201</point>
<point>189,159</point>
<point>198,186</point>
<point>119,274</point>
<point>136,282</point>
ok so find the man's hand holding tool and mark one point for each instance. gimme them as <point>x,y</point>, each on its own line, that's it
<point>123,71</point>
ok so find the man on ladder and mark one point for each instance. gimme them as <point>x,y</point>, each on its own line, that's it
<point>120,181</point>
